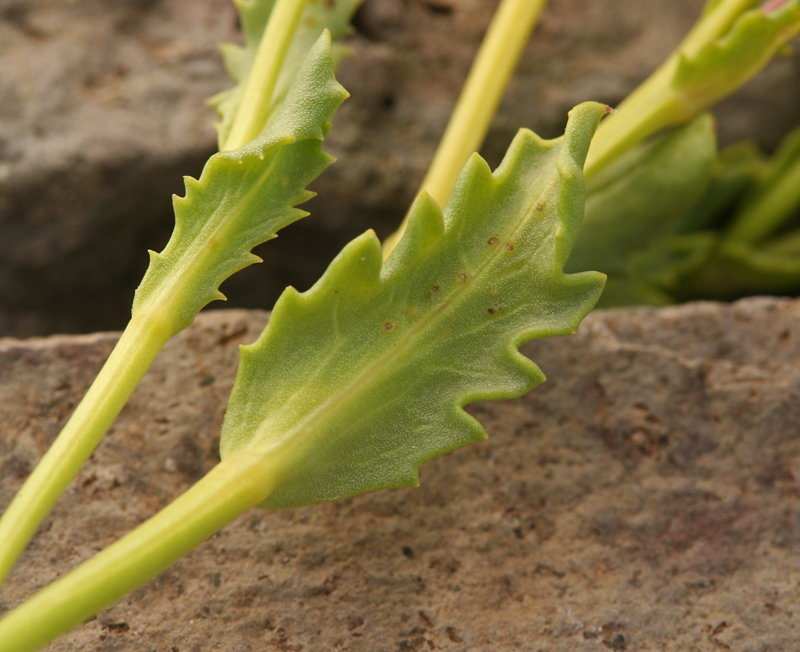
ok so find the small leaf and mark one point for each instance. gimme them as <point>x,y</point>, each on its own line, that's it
<point>773,198</point>
<point>254,15</point>
<point>759,253</point>
<point>243,197</point>
<point>656,271</point>
<point>738,269</point>
<point>724,64</point>
<point>728,45</point>
<point>735,170</point>
<point>633,208</point>
<point>363,377</point>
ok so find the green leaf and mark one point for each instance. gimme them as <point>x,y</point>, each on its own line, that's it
<point>633,209</point>
<point>723,65</point>
<point>738,269</point>
<point>363,377</point>
<point>254,15</point>
<point>656,271</point>
<point>774,197</point>
<point>759,253</point>
<point>735,170</point>
<point>242,198</point>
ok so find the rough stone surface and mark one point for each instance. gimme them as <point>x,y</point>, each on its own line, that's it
<point>101,112</point>
<point>647,497</point>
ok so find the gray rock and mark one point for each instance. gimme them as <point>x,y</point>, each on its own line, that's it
<point>101,113</point>
<point>646,497</point>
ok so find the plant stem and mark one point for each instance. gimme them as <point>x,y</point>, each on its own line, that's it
<point>135,351</point>
<point>257,95</point>
<point>240,482</point>
<point>654,105</point>
<point>144,336</point>
<point>649,108</point>
<point>714,24</point>
<point>480,97</point>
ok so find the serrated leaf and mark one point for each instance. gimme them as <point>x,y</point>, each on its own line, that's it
<point>633,208</point>
<point>242,198</point>
<point>254,15</point>
<point>364,376</point>
<point>723,65</point>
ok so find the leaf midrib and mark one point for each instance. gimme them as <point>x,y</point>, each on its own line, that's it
<point>363,379</point>
<point>199,246</point>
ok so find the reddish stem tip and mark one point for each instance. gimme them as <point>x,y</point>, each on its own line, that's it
<point>772,5</point>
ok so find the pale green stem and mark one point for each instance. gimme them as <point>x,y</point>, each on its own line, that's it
<point>145,335</point>
<point>644,112</point>
<point>655,105</point>
<point>715,24</point>
<point>258,90</point>
<point>480,97</point>
<point>131,357</point>
<point>241,481</point>
<point>759,219</point>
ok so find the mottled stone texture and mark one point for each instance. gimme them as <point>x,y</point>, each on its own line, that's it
<point>647,497</point>
<point>101,113</point>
